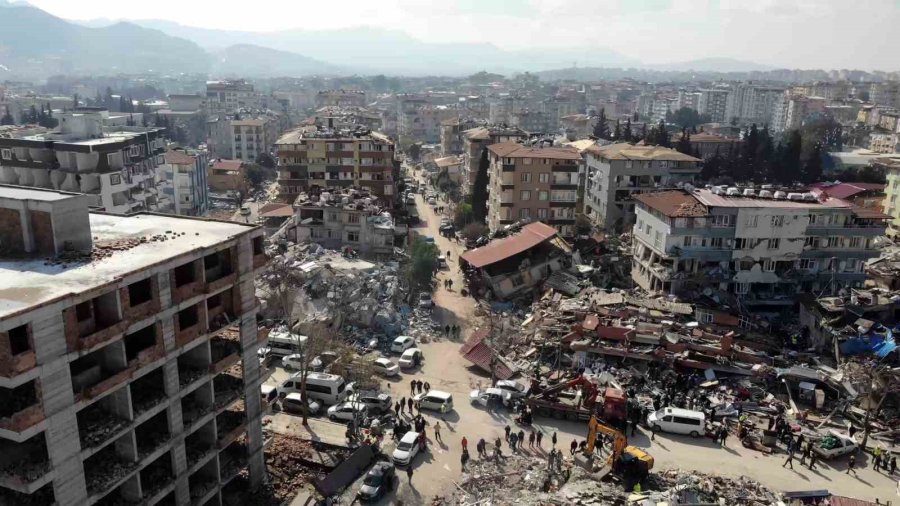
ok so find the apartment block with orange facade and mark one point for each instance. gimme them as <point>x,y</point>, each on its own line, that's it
<point>318,157</point>
<point>532,182</point>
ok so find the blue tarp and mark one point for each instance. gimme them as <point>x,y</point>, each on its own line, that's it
<point>878,344</point>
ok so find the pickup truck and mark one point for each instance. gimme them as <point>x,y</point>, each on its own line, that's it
<point>834,444</point>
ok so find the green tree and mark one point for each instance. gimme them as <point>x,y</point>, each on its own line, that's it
<point>812,169</point>
<point>793,148</point>
<point>712,167</point>
<point>684,143</point>
<point>601,127</point>
<point>662,135</point>
<point>255,174</point>
<point>265,160</point>
<point>462,215</point>
<point>617,133</point>
<point>75,101</point>
<point>480,189</point>
<point>7,118</point>
<point>414,151</point>
<point>686,117</point>
<point>626,132</point>
<point>422,265</point>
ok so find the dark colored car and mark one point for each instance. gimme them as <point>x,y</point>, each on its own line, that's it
<point>377,482</point>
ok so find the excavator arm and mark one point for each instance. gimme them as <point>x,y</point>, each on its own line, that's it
<point>619,440</point>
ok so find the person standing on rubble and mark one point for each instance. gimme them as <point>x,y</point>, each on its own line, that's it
<point>409,403</point>
<point>573,446</point>
<point>403,405</point>
<point>540,437</point>
<point>506,430</point>
<point>465,443</point>
<point>521,438</point>
<point>463,459</point>
<point>531,440</point>
<point>513,438</point>
<point>412,387</point>
<point>480,446</point>
<point>553,439</point>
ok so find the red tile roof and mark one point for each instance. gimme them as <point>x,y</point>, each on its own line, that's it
<point>234,165</point>
<point>476,351</point>
<point>530,236</point>
<point>178,158</point>
<point>516,150</point>
<point>675,203</point>
<point>847,190</point>
<point>273,210</point>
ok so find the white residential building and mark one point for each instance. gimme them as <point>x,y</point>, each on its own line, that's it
<point>183,183</point>
<point>714,103</point>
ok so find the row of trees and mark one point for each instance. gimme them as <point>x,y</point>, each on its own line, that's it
<point>32,116</point>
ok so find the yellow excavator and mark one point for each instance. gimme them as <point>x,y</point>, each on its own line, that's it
<point>629,462</point>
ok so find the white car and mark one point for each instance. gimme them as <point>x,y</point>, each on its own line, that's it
<point>411,358</point>
<point>425,301</point>
<point>407,449</point>
<point>293,361</point>
<point>347,411</point>
<point>402,343</point>
<point>839,444</point>
<point>515,389</point>
<point>489,397</point>
<point>385,367</point>
<point>293,403</point>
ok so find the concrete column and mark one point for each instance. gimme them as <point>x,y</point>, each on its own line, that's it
<point>179,467</point>
<point>165,292</point>
<point>256,464</point>
<point>131,489</point>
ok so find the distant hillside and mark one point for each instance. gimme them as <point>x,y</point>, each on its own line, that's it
<point>712,65</point>
<point>251,60</point>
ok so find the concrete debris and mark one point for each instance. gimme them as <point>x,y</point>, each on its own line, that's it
<point>188,374</point>
<point>96,425</point>
<point>104,469</point>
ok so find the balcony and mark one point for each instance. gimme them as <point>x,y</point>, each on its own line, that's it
<point>20,407</point>
<point>99,371</point>
<point>100,422</point>
<point>186,281</point>
<point>41,497</point>
<point>144,346</point>
<point>17,348</point>
<point>196,405</point>
<point>93,321</point>
<point>233,459</point>
<point>229,425</point>
<point>103,469</point>
<point>200,445</point>
<point>220,310</point>
<point>157,476</point>
<point>203,483</point>
<point>140,299</point>
<point>152,434</point>
<point>219,270</point>
<point>260,259</point>
<point>226,389</point>
<point>147,392</point>
<point>190,323</point>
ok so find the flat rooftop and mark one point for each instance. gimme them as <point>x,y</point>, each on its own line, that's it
<point>118,252</point>
<point>23,193</point>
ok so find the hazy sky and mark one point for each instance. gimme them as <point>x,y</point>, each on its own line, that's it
<point>793,33</point>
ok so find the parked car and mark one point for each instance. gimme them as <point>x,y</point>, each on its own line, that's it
<point>346,411</point>
<point>489,397</point>
<point>245,211</point>
<point>435,400</point>
<point>412,357</point>
<point>386,367</point>
<point>516,390</point>
<point>428,238</point>
<point>407,449</point>
<point>378,481</point>
<point>441,262</point>
<point>432,202</point>
<point>293,403</point>
<point>425,301</point>
<point>677,421</point>
<point>323,360</point>
<point>293,361</point>
<point>402,343</point>
<point>835,444</point>
<point>376,403</point>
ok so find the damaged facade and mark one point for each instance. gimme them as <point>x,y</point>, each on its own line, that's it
<point>129,364</point>
<point>760,246</point>
<point>344,217</point>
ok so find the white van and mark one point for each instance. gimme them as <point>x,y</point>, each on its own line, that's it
<point>678,421</point>
<point>283,343</point>
<point>435,400</point>
<point>326,388</point>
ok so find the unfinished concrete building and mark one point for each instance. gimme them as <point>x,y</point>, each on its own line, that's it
<point>128,365</point>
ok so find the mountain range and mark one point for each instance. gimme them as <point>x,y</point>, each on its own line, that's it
<point>36,44</point>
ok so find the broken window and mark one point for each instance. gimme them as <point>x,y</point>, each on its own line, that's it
<point>184,274</point>
<point>188,317</point>
<point>139,341</point>
<point>19,341</point>
<point>140,292</point>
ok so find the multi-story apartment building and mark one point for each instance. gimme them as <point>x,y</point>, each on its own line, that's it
<point>229,97</point>
<point>891,170</point>
<point>129,375</point>
<point>885,143</point>
<point>500,109</point>
<point>753,103</point>
<point>183,182</point>
<point>452,142</point>
<point>252,137</point>
<point>885,93</point>
<point>478,138</point>
<point>341,98</point>
<point>762,249</point>
<point>537,183</point>
<point>689,99</point>
<point>714,103</point>
<point>115,166</point>
<point>531,121</point>
<point>708,145</point>
<point>312,158</point>
<point>792,110</point>
<point>227,175</point>
<point>344,217</point>
<point>617,172</point>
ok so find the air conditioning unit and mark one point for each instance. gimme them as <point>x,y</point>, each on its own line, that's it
<point>749,192</point>
<point>795,196</point>
<point>716,191</point>
<point>733,191</point>
<point>809,197</point>
<point>780,195</point>
<point>765,194</point>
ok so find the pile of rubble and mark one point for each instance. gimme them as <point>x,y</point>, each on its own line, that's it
<point>517,479</point>
<point>678,487</point>
<point>287,471</point>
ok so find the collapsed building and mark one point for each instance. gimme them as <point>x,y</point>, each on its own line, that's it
<point>128,354</point>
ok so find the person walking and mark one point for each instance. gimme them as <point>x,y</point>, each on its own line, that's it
<point>553,439</point>
<point>893,463</point>
<point>876,462</point>
<point>437,433</point>
<point>409,473</point>
<point>506,430</point>
<point>521,438</point>
<point>804,454</point>
<point>851,464</point>
<point>427,386</point>
<point>573,446</point>
<point>652,435</point>
<point>465,443</point>
<point>812,460</point>
<point>409,403</point>
<point>447,330</point>
<point>513,439</point>
<point>531,440</point>
<point>463,459</point>
<point>412,387</point>
<point>540,437</point>
<point>397,409</point>
<point>403,405</point>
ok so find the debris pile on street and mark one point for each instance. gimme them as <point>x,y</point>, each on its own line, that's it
<point>287,469</point>
<point>517,479</point>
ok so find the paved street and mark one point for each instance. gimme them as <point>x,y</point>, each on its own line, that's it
<point>436,471</point>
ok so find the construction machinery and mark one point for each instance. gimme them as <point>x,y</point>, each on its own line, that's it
<point>629,462</point>
<point>563,401</point>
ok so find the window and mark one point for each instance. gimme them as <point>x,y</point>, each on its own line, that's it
<point>811,242</point>
<point>111,159</point>
<point>525,195</point>
<point>19,341</point>
<point>851,265</point>
<point>352,236</point>
<point>815,218</point>
<point>769,265</point>
<point>741,243</point>
<point>806,264</point>
<point>855,242</point>
<point>524,213</point>
<point>833,242</point>
<point>544,177</point>
<point>721,220</point>
<point>774,243</point>
<point>526,161</point>
<point>752,221</point>
<point>115,179</point>
<point>543,195</point>
<point>778,221</point>
<point>525,177</point>
<point>6,154</point>
<point>542,214</point>
<point>657,241</point>
<point>352,218</point>
<point>741,288</point>
<point>717,242</point>
<point>704,317</point>
<point>627,164</point>
<point>688,241</point>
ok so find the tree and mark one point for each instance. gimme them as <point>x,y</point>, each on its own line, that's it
<point>712,167</point>
<point>626,132</point>
<point>812,169</point>
<point>7,118</point>
<point>474,230</point>
<point>684,143</point>
<point>480,189</point>
<point>265,160</point>
<point>617,133</point>
<point>601,127</point>
<point>583,225</point>
<point>462,215</point>
<point>791,157</point>
<point>686,118</point>
<point>281,283</point>
<point>321,335</point>
<point>414,151</point>
<point>255,174</point>
<point>422,266</point>
<point>662,135</point>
